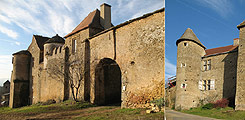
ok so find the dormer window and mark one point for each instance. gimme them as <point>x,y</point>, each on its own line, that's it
<point>74,46</point>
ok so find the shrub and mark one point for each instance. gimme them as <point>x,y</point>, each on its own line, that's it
<point>221,103</point>
<point>159,102</point>
<point>173,107</point>
<point>207,106</point>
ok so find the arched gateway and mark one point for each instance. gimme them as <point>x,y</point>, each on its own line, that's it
<point>107,82</point>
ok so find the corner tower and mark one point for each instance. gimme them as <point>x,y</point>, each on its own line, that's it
<point>19,86</point>
<point>189,53</point>
<point>240,88</point>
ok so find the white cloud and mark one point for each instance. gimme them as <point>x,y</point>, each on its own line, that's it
<point>4,19</point>
<point>222,7</point>
<point>170,69</point>
<point>61,16</point>
<point>6,67</point>
<point>11,41</point>
<point>17,43</point>
<point>8,32</point>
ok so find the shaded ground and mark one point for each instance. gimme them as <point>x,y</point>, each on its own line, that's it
<point>84,111</point>
<point>174,115</point>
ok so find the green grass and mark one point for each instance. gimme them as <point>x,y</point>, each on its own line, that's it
<point>122,114</point>
<point>38,108</point>
<point>68,110</point>
<point>220,113</point>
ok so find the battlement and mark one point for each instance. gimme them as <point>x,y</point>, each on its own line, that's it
<point>57,51</point>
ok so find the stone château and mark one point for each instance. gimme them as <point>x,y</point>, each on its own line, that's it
<point>206,75</point>
<point>110,64</point>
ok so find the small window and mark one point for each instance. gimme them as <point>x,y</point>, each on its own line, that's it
<point>207,65</point>
<point>74,46</point>
<point>56,50</point>
<point>183,64</point>
<point>206,85</point>
<point>209,87</point>
<point>185,44</point>
<point>183,85</point>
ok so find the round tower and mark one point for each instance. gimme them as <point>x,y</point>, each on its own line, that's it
<point>189,53</point>
<point>19,88</point>
<point>50,44</point>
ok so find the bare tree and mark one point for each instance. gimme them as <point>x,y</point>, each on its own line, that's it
<point>75,78</point>
<point>68,71</point>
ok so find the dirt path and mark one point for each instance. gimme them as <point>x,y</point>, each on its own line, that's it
<point>174,115</point>
<point>59,115</point>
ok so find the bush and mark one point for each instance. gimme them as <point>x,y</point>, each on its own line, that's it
<point>207,106</point>
<point>173,107</point>
<point>221,103</point>
<point>159,102</point>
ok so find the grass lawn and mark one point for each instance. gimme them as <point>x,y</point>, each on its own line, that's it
<point>76,111</point>
<point>124,114</point>
<point>39,108</point>
<point>220,113</point>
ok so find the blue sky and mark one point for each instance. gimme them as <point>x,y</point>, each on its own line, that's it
<point>20,19</point>
<point>213,21</point>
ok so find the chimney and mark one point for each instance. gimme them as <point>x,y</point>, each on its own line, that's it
<point>105,15</point>
<point>236,42</point>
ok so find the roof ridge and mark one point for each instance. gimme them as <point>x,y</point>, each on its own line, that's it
<point>219,47</point>
<point>83,20</point>
<point>85,23</point>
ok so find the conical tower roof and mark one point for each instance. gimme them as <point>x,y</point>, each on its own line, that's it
<point>189,35</point>
<point>55,39</point>
<point>241,25</point>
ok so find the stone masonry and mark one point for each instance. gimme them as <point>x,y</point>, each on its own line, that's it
<point>206,75</point>
<point>123,63</point>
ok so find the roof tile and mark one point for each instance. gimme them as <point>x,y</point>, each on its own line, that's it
<point>85,23</point>
<point>220,50</point>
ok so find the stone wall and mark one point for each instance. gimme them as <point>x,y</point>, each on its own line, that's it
<point>35,72</point>
<point>138,48</point>
<point>170,97</point>
<point>223,72</point>
<point>240,91</point>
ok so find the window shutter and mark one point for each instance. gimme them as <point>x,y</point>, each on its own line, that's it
<point>212,85</point>
<point>200,85</point>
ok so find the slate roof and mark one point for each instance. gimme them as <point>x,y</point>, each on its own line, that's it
<point>40,40</point>
<point>92,20</point>
<point>55,39</point>
<point>189,35</point>
<point>218,50</point>
<point>241,25</point>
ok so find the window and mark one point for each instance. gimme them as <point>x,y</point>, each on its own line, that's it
<point>74,46</point>
<point>183,64</point>
<point>185,44</point>
<point>207,65</point>
<point>206,85</point>
<point>183,85</point>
